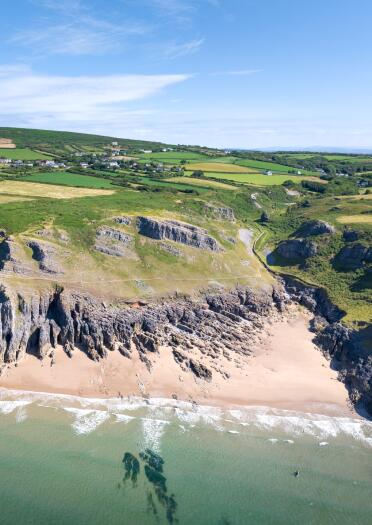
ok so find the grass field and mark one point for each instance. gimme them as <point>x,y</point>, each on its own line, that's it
<point>355,219</point>
<point>34,190</point>
<point>172,157</point>
<point>69,179</point>
<point>22,154</point>
<point>220,167</point>
<point>203,183</point>
<point>270,166</point>
<point>256,179</point>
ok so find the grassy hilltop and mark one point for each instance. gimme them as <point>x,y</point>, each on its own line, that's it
<point>94,179</point>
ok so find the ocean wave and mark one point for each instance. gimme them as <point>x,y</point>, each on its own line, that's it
<point>87,421</point>
<point>155,413</point>
<point>153,430</point>
<point>9,406</point>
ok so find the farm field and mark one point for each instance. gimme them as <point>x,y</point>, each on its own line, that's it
<point>69,179</point>
<point>253,178</point>
<point>355,219</point>
<point>168,183</point>
<point>203,183</point>
<point>34,190</point>
<point>172,157</point>
<point>220,167</point>
<point>22,154</point>
<point>271,166</point>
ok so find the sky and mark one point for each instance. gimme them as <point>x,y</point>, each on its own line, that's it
<point>223,73</point>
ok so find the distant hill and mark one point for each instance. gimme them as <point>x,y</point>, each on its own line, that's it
<point>42,139</point>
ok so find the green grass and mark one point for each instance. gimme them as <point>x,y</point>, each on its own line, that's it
<point>69,179</point>
<point>270,166</point>
<point>172,157</point>
<point>22,154</point>
<point>256,179</point>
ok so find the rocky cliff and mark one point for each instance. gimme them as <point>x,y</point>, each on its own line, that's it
<point>178,232</point>
<point>213,325</point>
<point>345,347</point>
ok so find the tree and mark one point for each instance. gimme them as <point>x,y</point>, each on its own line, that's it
<point>199,174</point>
<point>265,217</point>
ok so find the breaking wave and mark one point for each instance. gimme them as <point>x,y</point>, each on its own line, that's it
<point>154,415</point>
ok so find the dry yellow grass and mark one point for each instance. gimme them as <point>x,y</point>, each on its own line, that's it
<point>34,189</point>
<point>6,199</point>
<point>355,219</point>
<point>219,167</point>
<point>203,182</point>
<point>6,144</point>
<point>363,197</point>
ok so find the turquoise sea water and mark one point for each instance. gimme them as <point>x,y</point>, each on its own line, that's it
<point>61,463</point>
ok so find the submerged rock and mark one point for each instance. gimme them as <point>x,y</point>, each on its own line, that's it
<point>178,232</point>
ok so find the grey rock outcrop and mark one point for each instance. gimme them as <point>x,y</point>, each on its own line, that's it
<point>297,249</point>
<point>112,242</point>
<point>123,219</point>
<point>315,227</point>
<point>353,256</point>
<point>178,232</point>
<point>350,235</point>
<point>45,254</point>
<point>220,212</point>
<point>12,259</point>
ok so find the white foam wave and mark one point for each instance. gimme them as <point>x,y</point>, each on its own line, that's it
<point>8,406</point>
<point>153,430</point>
<point>90,413</point>
<point>87,421</point>
<point>123,418</point>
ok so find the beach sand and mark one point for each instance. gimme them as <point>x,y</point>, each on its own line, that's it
<point>284,371</point>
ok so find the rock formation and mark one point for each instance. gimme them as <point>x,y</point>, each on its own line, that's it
<point>112,242</point>
<point>353,256</point>
<point>178,232</point>
<point>215,324</point>
<point>45,254</point>
<point>315,227</point>
<point>297,249</point>
<point>220,212</point>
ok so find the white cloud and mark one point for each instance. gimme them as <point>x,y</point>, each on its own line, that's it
<point>73,28</point>
<point>28,98</point>
<point>174,50</point>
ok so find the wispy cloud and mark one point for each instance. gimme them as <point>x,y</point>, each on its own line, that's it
<point>176,50</point>
<point>60,101</point>
<point>72,27</point>
<point>237,73</point>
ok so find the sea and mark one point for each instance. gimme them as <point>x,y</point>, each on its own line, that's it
<point>68,460</point>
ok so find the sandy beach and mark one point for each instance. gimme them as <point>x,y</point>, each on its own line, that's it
<point>284,371</point>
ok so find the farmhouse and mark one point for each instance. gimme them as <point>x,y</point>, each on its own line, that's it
<point>5,161</point>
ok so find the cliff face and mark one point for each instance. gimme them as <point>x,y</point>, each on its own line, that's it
<point>215,324</point>
<point>178,232</point>
<point>344,346</point>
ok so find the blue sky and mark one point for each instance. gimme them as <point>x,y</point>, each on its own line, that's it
<point>225,73</point>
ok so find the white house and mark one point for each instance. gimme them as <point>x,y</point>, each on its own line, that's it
<point>268,172</point>
<point>5,161</point>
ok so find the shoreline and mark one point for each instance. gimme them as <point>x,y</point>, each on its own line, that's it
<point>285,372</point>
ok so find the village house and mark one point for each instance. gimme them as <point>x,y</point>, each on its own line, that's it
<point>5,161</point>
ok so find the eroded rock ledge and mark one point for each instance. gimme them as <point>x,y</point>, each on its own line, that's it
<point>214,325</point>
